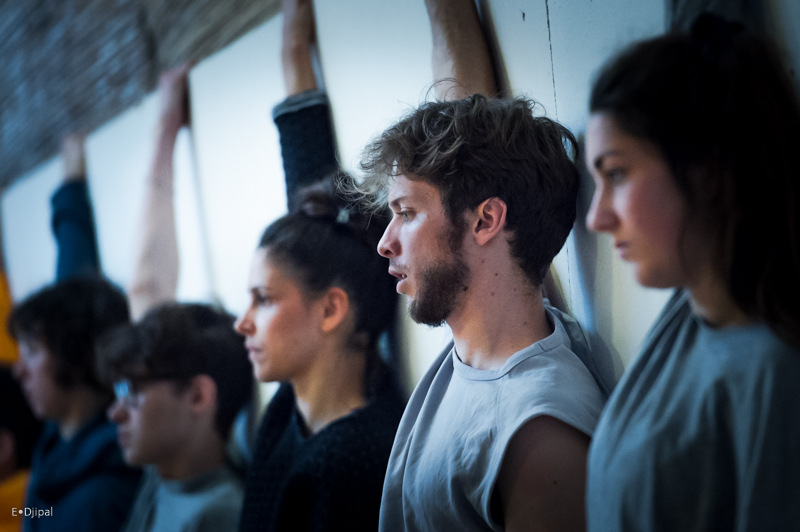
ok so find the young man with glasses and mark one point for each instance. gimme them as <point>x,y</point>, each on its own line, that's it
<point>180,376</point>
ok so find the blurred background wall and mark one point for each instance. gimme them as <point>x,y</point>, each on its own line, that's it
<point>375,59</point>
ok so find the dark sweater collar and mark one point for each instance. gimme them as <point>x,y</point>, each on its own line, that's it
<point>60,465</point>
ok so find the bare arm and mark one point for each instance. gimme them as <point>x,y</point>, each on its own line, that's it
<point>460,52</point>
<point>73,157</point>
<point>155,278</point>
<point>543,477</point>
<point>298,38</point>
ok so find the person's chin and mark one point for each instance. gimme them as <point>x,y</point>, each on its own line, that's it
<point>39,412</point>
<point>264,374</point>
<point>642,275</point>
<point>651,278</point>
<point>131,457</point>
<point>260,364</point>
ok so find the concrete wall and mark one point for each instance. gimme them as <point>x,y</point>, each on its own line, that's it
<point>376,63</point>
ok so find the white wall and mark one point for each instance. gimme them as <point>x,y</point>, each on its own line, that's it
<point>237,152</point>
<point>29,248</point>
<point>117,160</point>
<point>376,62</point>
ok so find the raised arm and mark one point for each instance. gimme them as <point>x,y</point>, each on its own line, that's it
<point>461,62</point>
<point>72,220</point>
<point>304,122</point>
<point>155,278</point>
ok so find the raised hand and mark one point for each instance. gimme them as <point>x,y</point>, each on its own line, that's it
<point>173,88</point>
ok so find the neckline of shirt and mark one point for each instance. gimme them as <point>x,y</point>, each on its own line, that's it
<point>556,338</point>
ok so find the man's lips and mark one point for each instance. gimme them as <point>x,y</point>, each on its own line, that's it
<point>402,279</point>
<point>397,273</point>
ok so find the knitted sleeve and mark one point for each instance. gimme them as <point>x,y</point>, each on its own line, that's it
<point>74,231</point>
<point>307,140</point>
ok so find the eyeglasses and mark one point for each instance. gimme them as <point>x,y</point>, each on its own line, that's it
<point>129,391</point>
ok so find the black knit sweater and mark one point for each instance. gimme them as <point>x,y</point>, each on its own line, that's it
<point>330,481</point>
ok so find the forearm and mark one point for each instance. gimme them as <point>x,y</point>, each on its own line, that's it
<point>460,52</point>
<point>298,39</point>
<point>298,73</point>
<point>155,278</point>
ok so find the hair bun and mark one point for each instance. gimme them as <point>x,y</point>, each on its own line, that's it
<point>323,201</point>
<point>318,201</point>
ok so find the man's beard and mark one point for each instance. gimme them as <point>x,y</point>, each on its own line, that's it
<point>440,284</point>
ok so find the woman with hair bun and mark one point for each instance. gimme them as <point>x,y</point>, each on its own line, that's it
<point>321,298</point>
<point>691,144</point>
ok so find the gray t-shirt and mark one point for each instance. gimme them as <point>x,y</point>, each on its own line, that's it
<point>702,433</point>
<point>454,433</point>
<point>207,503</point>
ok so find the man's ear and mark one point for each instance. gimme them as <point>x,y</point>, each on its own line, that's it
<point>335,304</point>
<point>203,393</point>
<point>489,220</point>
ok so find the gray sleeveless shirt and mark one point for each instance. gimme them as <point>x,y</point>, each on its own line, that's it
<point>454,433</point>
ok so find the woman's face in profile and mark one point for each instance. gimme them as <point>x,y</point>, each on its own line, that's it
<point>281,325</point>
<point>636,201</point>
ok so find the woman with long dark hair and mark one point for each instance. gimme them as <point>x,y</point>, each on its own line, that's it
<point>691,144</point>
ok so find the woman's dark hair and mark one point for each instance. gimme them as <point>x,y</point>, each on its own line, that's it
<point>718,104</point>
<point>68,317</point>
<point>326,242</point>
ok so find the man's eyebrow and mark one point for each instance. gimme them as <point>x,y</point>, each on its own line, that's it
<point>598,161</point>
<point>396,201</point>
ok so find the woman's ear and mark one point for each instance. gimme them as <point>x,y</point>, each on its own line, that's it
<point>335,305</point>
<point>489,220</point>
